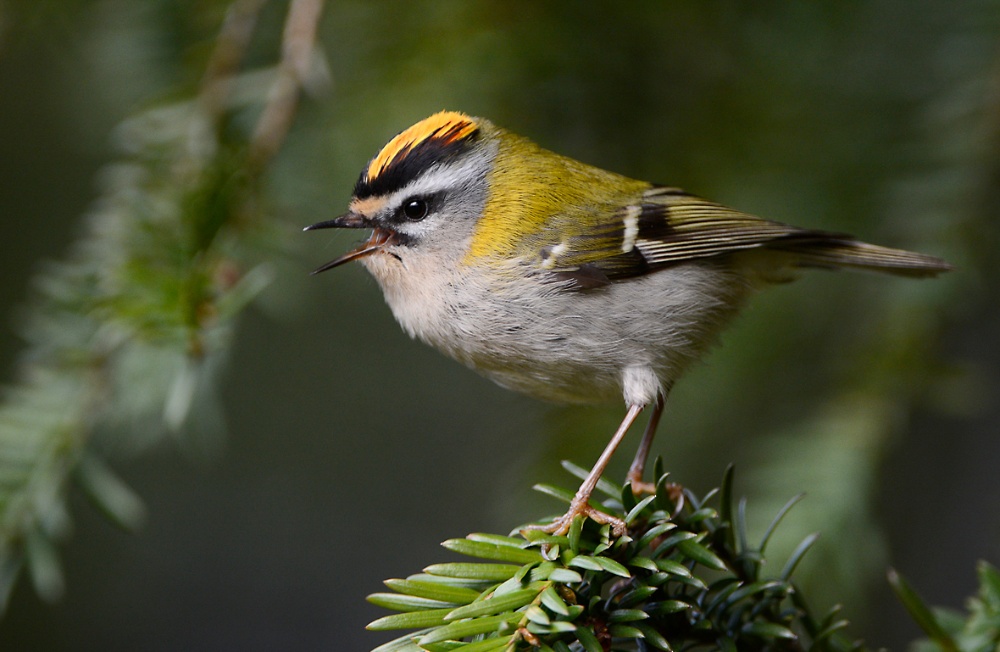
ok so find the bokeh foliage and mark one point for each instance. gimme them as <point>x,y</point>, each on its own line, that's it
<point>867,117</point>
<point>124,337</point>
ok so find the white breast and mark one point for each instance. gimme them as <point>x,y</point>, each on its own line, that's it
<point>624,340</point>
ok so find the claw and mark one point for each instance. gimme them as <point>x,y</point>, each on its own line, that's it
<point>561,525</point>
<point>639,487</point>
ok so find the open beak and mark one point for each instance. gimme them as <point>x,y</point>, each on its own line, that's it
<point>378,239</point>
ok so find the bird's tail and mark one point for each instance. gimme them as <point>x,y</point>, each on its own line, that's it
<point>817,249</point>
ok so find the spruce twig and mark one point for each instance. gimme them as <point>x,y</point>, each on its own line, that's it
<point>677,580</point>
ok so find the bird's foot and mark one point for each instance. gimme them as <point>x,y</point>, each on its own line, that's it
<point>640,487</point>
<point>580,507</point>
<point>634,478</point>
<point>674,490</point>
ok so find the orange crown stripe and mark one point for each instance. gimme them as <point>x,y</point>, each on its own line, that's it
<point>446,126</point>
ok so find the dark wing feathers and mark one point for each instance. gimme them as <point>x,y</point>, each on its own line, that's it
<point>670,226</point>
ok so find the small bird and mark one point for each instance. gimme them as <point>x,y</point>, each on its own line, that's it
<point>564,281</point>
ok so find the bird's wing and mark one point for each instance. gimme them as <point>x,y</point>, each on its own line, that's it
<point>668,226</point>
<point>665,227</point>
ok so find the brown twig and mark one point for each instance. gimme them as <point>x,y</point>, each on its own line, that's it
<point>294,70</point>
<point>230,47</point>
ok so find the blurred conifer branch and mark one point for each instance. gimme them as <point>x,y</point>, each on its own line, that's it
<point>948,630</point>
<point>126,336</point>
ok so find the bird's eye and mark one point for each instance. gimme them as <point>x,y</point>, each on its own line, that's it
<point>415,209</point>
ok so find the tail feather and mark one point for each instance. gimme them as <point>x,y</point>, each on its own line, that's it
<point>833,251</point>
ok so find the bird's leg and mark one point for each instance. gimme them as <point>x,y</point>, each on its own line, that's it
<point>642,453</point>
<point>580,505</point>
<point>635,472</point>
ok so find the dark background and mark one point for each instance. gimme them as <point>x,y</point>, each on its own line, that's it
<point>350,452</point>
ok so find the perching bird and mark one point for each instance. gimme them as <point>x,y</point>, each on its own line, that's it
<point>562,280</point>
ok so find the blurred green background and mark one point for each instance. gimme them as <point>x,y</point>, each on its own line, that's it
<point>348,452</point>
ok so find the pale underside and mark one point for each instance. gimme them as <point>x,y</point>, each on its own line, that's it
<point>535,336</point>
